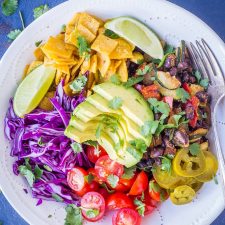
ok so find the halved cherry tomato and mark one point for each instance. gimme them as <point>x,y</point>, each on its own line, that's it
<point>140,184</point>
<point>186,87</point>
<point>105,167</point>
<point>75,179</point>
<point>104,193</point>
<point>93,206</point>
<point>125,185</point>
<point>169,101</point>
<point>118,201</point>
<point>126,216</point>
<point>94,154</point>
<point>92,171</point>
<point>156,192</point>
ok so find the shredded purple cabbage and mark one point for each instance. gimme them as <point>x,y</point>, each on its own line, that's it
<point>40,137</point>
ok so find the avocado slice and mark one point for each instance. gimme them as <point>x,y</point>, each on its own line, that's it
<point>134,105</point>
<point>102,104</point>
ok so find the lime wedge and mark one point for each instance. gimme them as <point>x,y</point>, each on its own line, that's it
<point>138,34</point>
<point>32,89</point>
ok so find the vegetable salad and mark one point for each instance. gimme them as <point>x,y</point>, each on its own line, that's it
<point>113,128</point>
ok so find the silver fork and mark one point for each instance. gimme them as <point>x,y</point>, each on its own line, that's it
<point>207,64</point>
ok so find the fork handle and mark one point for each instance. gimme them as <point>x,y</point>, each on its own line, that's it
<point>220,155</point>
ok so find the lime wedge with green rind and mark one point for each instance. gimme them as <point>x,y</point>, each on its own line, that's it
<point>138,34</point>
<point>32,89</point>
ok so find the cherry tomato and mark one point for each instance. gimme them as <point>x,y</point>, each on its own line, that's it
<point>104,193</point>
<point>93,206</point>
<point>94,154</point>
<point>118,201</point>
<point>75,179</point>
<point>140,184</point>
<point>105,167</point>
<point>156,192</point>
<point>126,216</point>
<point>92,171</point>
<point>125,185</point>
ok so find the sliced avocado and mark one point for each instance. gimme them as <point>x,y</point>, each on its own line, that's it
<point>86,111</point>
<point>80,136</point>
<point>134,105</point>
<point>102,104</point>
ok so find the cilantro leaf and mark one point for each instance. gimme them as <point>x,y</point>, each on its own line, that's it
<point>92,213</point>
<point>204,82</point>
<point>182,94</point>
<point>129,172</point>
<point>104,185</point>
<point>149,128</point>
<point>176,119</point>
<point>111,34</point>
<point>98,131</point>
<point>194,149</point>
<point>83,46</point>
<point>166,164</point>
<point>73,216</point>
<point>132,81</point>
<point>57,197</point>
<point>140,206</point>
<point>28,174</point>
<point>13,34</point>
<point>9,7</point>
<point>78,84</point>
<point>38,172</point>
<point>92,143</point>
<point>113,180</point>
<point>139,145</point>
<point>144,70</point>
<point>198,75</point>
<point>40,142</point>
<point>115,79</point>
<point>116,103</point>
<point>159,106</point>
<point>37,43</point>
<point>40,10</point>
<point>161,127</point>
<point>77,147</point>
<point>168,49</point>
<point>89,178</point>
<point>63,28</point>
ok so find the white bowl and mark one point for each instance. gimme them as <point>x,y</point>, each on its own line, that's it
<point>173,24</point>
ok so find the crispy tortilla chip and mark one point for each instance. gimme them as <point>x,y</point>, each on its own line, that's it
<point>112,69</point>
<point>34,65</point>
<point>85,65</point>
<point>90,22</point>
<point>104,45</point>
<point>122,71</point>
<point>45,103</point>
<point>91,80</point>
<point>71,26</point>
<point>25,71</point>
<point>75,69</point>
<point>56,47</point>
<point>103,63</point>
<point>39,54</point>
<point>93,64</point>
<point>63,68</point>
<point>122,51</point>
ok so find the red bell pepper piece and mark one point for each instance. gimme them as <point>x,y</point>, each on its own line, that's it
<point>194,101</point>
<point>186,87</point>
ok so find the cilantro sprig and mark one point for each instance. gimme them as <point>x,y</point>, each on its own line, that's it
<point>9,7</point>
<point>194,149</point>
<point>77,147</point>
<point>159,106</point>
<point>83,47</point>
<point>140,206</point>
<point>13,34</point>
<point>182,94</point>
<point>132,81</point>
<point>203,82</point>
<point>73,216</point>
<point>78,84</point>
<point>40,10</point>
<point>113,180</point>
<point>116,103</point>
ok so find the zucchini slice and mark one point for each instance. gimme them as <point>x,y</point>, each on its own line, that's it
<point>167,92</point>
<point>167,81</point>
<point>197,134</point>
